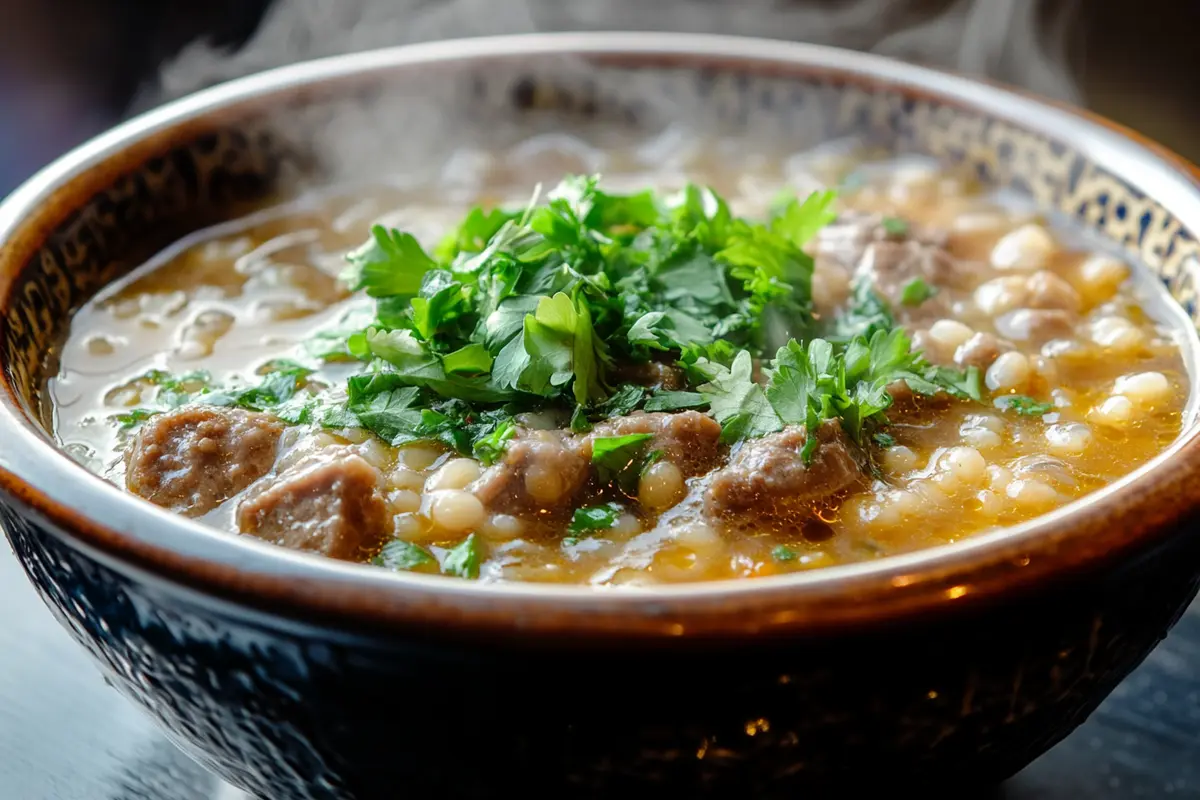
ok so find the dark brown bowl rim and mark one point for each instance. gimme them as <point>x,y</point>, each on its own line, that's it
<point>1132,516</point>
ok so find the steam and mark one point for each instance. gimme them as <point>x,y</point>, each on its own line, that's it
<point>414,127</point>
<point>1016,41</point>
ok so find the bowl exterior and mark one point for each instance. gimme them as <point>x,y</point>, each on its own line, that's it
<point>286,709</point>
<point>287,706</point>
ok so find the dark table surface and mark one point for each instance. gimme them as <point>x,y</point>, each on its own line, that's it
<point>66,735</point>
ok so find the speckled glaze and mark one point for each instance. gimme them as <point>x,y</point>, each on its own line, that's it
<point>295,677</point>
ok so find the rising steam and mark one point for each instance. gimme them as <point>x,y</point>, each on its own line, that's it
<point>1016,41</point>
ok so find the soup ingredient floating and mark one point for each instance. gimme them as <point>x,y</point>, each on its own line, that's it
<point>629,388</point>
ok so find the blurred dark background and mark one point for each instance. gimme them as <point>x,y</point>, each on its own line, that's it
<point>70,68</point>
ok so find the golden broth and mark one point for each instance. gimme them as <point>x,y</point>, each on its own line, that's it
<point>231,299</point>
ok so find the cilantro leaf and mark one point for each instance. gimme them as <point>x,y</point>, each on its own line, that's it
<point>894,226</point>
<point>400,555</point>
<point>674,401</point>
<point>1023,405</point>
<point>783,553</point>
<point>799,222</point>
<point>916,291</point>
<point>472,359</point>
<point>134,417</point>
<point>589,519</point>
<point>558,346</point>
<point>884,440</point>
<point>390,263</point>
<point>415,365</point>
<point>464,559</point>
<point>618,459</point>
<point>738,403</point>
<point>490,449</point>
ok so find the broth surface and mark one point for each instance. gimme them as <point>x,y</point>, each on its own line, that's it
<point>1105,368</point>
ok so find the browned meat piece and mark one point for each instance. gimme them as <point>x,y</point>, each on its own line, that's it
<point>542,471</point>
<point>688,439</point>
<point>325,504</point>
<point>906,402</point>
<point>845,239</point>
<point>891,266</point>
<point>768,478</point>
<point>979,351</point>
<point>652,375</point>
<point>1037,325</point>
<point>193,459</point>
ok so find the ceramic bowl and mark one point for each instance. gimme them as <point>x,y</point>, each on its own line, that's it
<point>297,677</point>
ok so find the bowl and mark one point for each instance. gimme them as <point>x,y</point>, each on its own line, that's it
<point>297,677</point>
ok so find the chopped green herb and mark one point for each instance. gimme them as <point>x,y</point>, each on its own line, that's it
<point>589,519</point>
<point>391,263</point>
<point>490,448</point>
<point>1023,405</point>
<point>619,459</point>
<point>783,553</point>
<point>133,418</point>
<point>463,560</point>
<point>895,226</point>
<point>674,401</point>
<point>401,555</point>
<point>579,421</point>
<point>916,291</point>
<point>884,440</point>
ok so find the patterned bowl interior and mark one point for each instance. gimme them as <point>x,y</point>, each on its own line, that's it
<point>349,127</point>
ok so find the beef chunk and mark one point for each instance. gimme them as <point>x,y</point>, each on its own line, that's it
<point>689,440</point>
<point>768,478</point>
<point>652,375</point>
<point>891,266</point>
<point>541,471</point>
<point>193,459</point>
<point>844,240</point>
<point>328,504</point>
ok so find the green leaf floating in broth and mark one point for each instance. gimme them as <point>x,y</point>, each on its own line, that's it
<point>401,555</point>
<point>464,559</point>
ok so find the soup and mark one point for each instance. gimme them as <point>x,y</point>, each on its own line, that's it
<point>635,380</point>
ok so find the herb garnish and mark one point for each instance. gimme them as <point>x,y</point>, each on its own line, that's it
<point>783,553</point>
<point>401,555</point>
<point>531,309</point>
<point>590,519</point>
<point>463,560</point>
<point>1024,405</point>
<point>916,291</point>
<point>895,226</point>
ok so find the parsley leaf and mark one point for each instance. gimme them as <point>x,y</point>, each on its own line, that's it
<point>589,519</point>
<point>674,401</point>
<point>1023,405</point>
<point>390,263</point>
<point>463,560</point>
<point>400,555</point>
<point>895,226</point>
<point>619,459</point>
<point>490,448</point>
<point>799,222</point>
<point>916,291</point>
<point>783,553</point>
<point>134,417</point>
<point>738,403</point>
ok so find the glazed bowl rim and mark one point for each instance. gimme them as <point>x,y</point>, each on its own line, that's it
<point>136,536</point>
